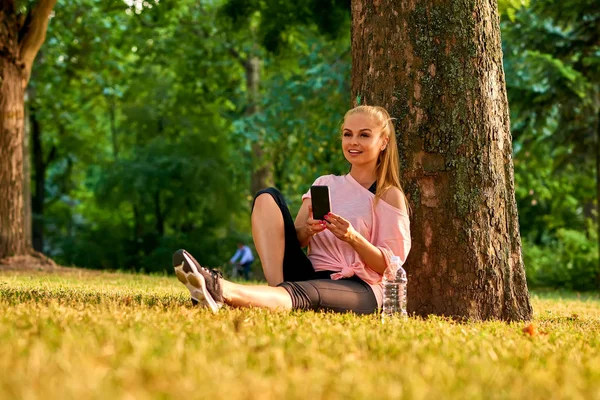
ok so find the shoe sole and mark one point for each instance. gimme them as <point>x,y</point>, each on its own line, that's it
<point>195,283</point>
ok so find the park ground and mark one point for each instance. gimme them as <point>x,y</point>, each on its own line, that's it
<point>77,334</point>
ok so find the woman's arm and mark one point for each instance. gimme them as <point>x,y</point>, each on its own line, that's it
<point>369,253</point>
<point>305,225</point>
<point>343,230</point>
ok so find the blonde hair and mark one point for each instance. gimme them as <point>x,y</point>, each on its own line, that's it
<point>387,171</point>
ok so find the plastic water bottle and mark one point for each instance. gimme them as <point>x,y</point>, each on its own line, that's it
<point>394,290</point>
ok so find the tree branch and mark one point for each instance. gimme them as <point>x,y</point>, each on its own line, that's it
<point>51,157</point>
<point>237,56</point>
<point>33,35</point>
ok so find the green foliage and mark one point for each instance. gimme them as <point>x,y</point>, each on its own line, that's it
<point>300,116</point>
<point>510,7</point>
<point>150,134</point>
<point>273,19</point>
<point>140,126</point>
<point>569,260</point>
<point>549,200</point>
<point>552,79</point>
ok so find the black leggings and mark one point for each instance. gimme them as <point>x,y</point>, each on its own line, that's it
<point>312,290</point>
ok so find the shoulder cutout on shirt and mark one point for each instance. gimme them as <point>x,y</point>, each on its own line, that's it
<point>394,197</point>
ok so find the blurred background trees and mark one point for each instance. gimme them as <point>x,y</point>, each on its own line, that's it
<point>552,63</point>
<point>150,120</point>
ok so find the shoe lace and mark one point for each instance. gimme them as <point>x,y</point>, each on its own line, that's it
<point>215,274</point>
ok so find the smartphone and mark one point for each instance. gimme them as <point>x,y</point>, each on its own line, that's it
<point>321,201</point>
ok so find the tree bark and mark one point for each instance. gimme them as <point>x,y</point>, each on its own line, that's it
<point>436,66</point>
<point>20,41</point>
<point>12,232</point>
<point>32,35</point>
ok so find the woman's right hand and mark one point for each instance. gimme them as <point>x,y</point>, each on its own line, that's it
<point>314,226</point>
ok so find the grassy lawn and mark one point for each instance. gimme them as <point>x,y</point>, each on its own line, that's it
<point>84,335</point>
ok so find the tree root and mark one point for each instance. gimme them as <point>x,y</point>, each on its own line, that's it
<point>33,260</point>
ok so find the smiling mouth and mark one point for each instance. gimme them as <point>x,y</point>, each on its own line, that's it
<point>355,152</point>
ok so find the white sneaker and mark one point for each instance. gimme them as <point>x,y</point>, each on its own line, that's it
<point>204,284</point>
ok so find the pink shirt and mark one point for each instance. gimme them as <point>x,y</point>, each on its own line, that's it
<point>383,225</point>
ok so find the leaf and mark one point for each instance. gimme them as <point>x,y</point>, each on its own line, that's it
<point>530,330</point>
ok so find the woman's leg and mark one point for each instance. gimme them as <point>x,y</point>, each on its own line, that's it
<point>276,241</point>
<point>345,295</point>
<point>269,238</point>
<point>274,298</point>
<point>208,288</point>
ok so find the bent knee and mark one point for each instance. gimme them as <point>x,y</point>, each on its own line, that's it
<point>262,198</point>
<point>266,196</point>
<point>271,191</point>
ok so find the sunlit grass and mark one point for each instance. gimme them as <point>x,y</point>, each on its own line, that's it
<point>95,335</point>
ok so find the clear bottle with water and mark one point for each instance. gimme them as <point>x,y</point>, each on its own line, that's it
<point>394,290</point>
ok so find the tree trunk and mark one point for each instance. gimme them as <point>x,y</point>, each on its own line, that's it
<point>39,198</point>
<point>160,218</point>
<point>21,37</point>
<point>261,173</point>
<point>597,219</point>
<point>437,68</point>
<point>112,109</point>
<point>12,226</point>
<point>138,229</point>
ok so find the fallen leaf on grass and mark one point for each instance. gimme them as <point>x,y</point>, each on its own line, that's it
<point>530,330</point>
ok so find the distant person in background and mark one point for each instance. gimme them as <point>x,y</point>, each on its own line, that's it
<point>243,258</point>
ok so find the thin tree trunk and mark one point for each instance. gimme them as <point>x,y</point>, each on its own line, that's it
<point>437,67</point>
<point>27,222</point>
<point>160,219</point>
<point>261,173</point>
<point>597,219</point>
<point>138,230</point>
<point>112,110</point>
<point>39,198</point>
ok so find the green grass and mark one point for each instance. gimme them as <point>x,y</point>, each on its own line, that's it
<point>81,335</point>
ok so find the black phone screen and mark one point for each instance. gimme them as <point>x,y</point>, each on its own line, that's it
<point>321,202</point>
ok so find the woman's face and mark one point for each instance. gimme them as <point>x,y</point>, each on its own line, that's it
<point>362,140</point>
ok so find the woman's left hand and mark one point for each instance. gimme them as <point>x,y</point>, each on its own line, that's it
<point>340,227</point>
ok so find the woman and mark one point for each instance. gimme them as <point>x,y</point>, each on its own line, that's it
<point>348,251</point>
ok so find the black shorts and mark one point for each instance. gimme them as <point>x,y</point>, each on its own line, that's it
<point>312,290</point>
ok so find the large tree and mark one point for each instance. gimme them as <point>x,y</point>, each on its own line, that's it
<point>22,33</point>
<point>437,67</point>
